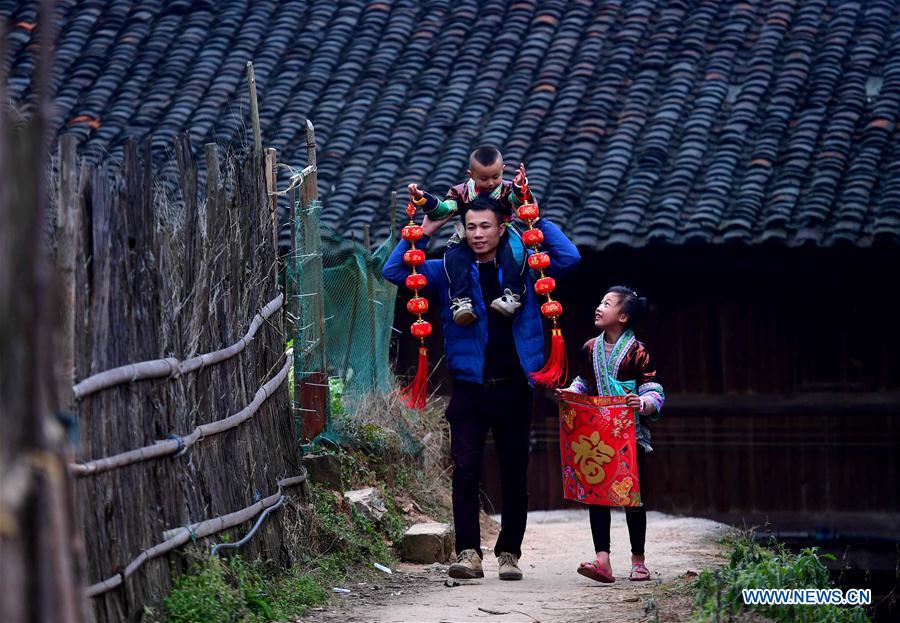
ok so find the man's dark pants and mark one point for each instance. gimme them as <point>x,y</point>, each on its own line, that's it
<point>505,409</point>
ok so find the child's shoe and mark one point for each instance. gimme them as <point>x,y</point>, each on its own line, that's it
<point>639,571</point>
<point>463,314</point>
<point>597,571</point>
<point>507,304</point>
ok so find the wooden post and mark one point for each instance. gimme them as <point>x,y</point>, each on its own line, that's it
<point>195,245</point>
<point>38,569</point>
<point>212,238</point>
<point>69,253</point>
<point>312,186</point>
<point>293,307</point>
<point>310,144</point>
<point>68,235</point>
<point>290,281</point>
<point>271,188</point>
<point>254,109</point>
<point>314,385</point>
<point>213,206</point>
<point>67,227</point>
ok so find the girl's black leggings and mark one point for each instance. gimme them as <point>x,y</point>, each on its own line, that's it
<point>635,517</point>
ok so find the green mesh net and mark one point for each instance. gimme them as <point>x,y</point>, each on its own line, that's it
<point>359,314</point>
<point>353,319</point>
<point>303,280</point>
<point>355,313</point>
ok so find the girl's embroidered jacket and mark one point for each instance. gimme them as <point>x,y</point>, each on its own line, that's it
<point>632,363</point>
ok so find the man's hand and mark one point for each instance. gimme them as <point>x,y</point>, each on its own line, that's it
<point>415,193</point>
<point>429,226</point>
<point>633,401</point>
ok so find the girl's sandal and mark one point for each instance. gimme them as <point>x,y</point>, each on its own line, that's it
<point>594,571</point>
<point>639,573</point>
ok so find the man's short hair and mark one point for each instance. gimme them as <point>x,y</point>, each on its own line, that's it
<point>483,201</point>
<point>485,155</point>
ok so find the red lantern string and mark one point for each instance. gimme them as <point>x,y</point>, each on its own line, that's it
<point>415,393</point>
<point>556,367</point>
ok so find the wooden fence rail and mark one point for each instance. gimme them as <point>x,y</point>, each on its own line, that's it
<point>170,366</point>
<point>193,532</point>
<point>177,444</point>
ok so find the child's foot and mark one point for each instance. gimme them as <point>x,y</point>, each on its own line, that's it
<point>463,314</point>
<point>639,571</point>
<point>508,303</point>
<point>598,569</point>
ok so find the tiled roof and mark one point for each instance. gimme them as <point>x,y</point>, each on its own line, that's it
<point>640,120</point>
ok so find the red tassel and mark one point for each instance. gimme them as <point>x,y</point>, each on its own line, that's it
<point>415,393</point>
<point>555,371</point>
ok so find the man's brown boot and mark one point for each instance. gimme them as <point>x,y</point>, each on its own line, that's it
<point>467,566</point>
<point>509,566</point>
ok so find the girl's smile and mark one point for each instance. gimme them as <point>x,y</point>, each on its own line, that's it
<point>607,311</point>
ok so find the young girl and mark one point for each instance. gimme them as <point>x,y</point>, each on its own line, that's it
<point>616,364</point>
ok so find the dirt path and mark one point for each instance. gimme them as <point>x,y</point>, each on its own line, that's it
<point>551,591</point>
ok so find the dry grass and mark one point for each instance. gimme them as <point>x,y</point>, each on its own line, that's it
<point>406,451</point>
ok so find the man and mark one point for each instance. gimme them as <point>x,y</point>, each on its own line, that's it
<point>490,362</point>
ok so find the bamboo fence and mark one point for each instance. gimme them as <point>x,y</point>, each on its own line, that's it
<point>183,410</point>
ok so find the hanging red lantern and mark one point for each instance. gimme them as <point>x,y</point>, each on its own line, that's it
<point>416,281</point>
<point>552,309</point>
<point>414,257</point>
<point>412,233</point>
<point>539,261</point>
<point>528,211</point>
<point>421,329</point>
<point>555,368</point>
<point>417,305</point>
<point>415,393</point>
<point>545,285</point>
<point>532,237</point>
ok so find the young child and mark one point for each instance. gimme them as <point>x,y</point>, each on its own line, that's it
<point>485,176</point>
<point>616,364</point>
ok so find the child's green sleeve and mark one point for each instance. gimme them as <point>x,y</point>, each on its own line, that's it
<point>437,209</point>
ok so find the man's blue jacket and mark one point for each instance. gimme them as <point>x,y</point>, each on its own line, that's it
<point>464,347</point>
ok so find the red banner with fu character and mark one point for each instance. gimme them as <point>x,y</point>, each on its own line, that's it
<point>597,445</point>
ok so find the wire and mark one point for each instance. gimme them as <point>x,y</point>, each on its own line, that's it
<point>216,548</point>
